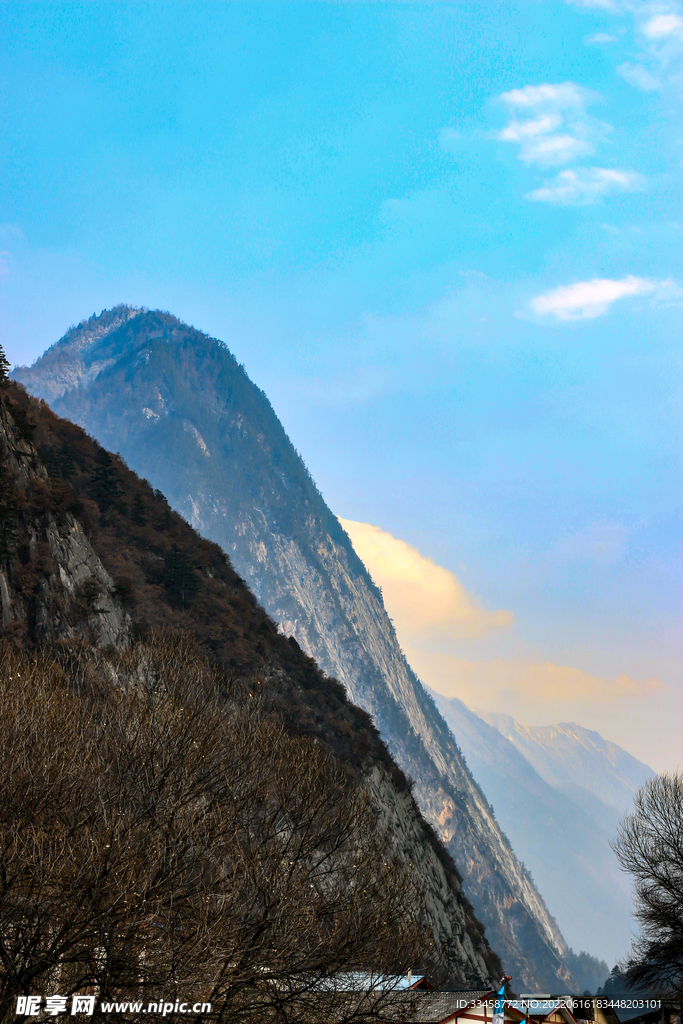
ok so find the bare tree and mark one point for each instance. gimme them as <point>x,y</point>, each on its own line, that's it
<point>161,834</point>
<point>650,847</point>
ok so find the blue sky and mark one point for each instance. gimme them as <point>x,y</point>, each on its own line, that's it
<point>445,240</point>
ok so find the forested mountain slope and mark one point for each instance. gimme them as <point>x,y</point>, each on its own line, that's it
<point>87,549</point>
<point>185,415</point>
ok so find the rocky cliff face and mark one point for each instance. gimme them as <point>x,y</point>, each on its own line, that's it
<point>57,586</point>
<point>185,415</point>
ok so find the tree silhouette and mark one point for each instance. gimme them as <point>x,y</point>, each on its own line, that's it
<point>650,847</point>
<point>138,512</point>
<point>9,517</point>
<point>180,579</point>
<point>4,368</point>
<point>106,488</point>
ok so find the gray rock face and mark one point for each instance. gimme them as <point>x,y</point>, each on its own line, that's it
<point>444,910</point>
<point>54,606</point>
<point>185,415</point>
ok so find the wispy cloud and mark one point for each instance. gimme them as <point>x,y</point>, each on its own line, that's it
<point>425,600</point>
<point>584,185</point>
<point>485,683</point>
<point>587,299</point>
<point>550,123</point>
<point>601,37</point>
<point>613,6</point>
<point>639,76</point>
<point>659,29</point>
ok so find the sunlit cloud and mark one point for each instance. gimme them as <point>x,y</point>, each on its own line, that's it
<point>584,185</point>
<point>663,25</point>
<point>425,600</point>
<point>562,96</point>
<point>639,77</point>
<point>550,123</point>
<point>588,299</point>
<point>488,684</point>
<point>434,616</point>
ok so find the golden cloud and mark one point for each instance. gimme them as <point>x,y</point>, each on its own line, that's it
<point>488,684</point>
<point>426,601</point>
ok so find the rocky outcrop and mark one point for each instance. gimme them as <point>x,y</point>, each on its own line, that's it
<point>163,387</point>
<point>57,585</point>
<point>454,931</point>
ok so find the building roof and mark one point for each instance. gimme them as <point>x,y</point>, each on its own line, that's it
<point>421,1007</point>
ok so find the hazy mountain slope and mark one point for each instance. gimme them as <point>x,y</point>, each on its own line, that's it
<point>63,497</point>
<point>184,414</point>
<point>573,759</point>
<point>583,884</point>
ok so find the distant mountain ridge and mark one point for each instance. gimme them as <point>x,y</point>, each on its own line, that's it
<point>584,885</point>
<point>568,751</point>
<point>182,412</point>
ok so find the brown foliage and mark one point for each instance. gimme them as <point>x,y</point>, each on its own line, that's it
<point>160,832</point>
<point>135,537</point>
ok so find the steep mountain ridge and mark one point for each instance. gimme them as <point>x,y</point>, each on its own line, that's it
<point>185,415</point>
<point>584,885</point>
<point>140,558</point>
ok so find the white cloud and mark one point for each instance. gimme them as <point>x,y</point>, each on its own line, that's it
<point>555,129</point>
<point>426,601</point>
<point>585,185</point>
<point>639,76</point>
<point>613,6</point>
<point>556,149</point>
<point>663,25</point>
<point>518,131</point>
<point>564,96</point>
<point>601,37</point>
<point>588,299</point>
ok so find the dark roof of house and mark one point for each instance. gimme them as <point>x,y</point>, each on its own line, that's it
<point>420,1007</point>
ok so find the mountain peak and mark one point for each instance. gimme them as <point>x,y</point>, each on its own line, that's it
<point>153,388</point>
<point>63,365</point>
